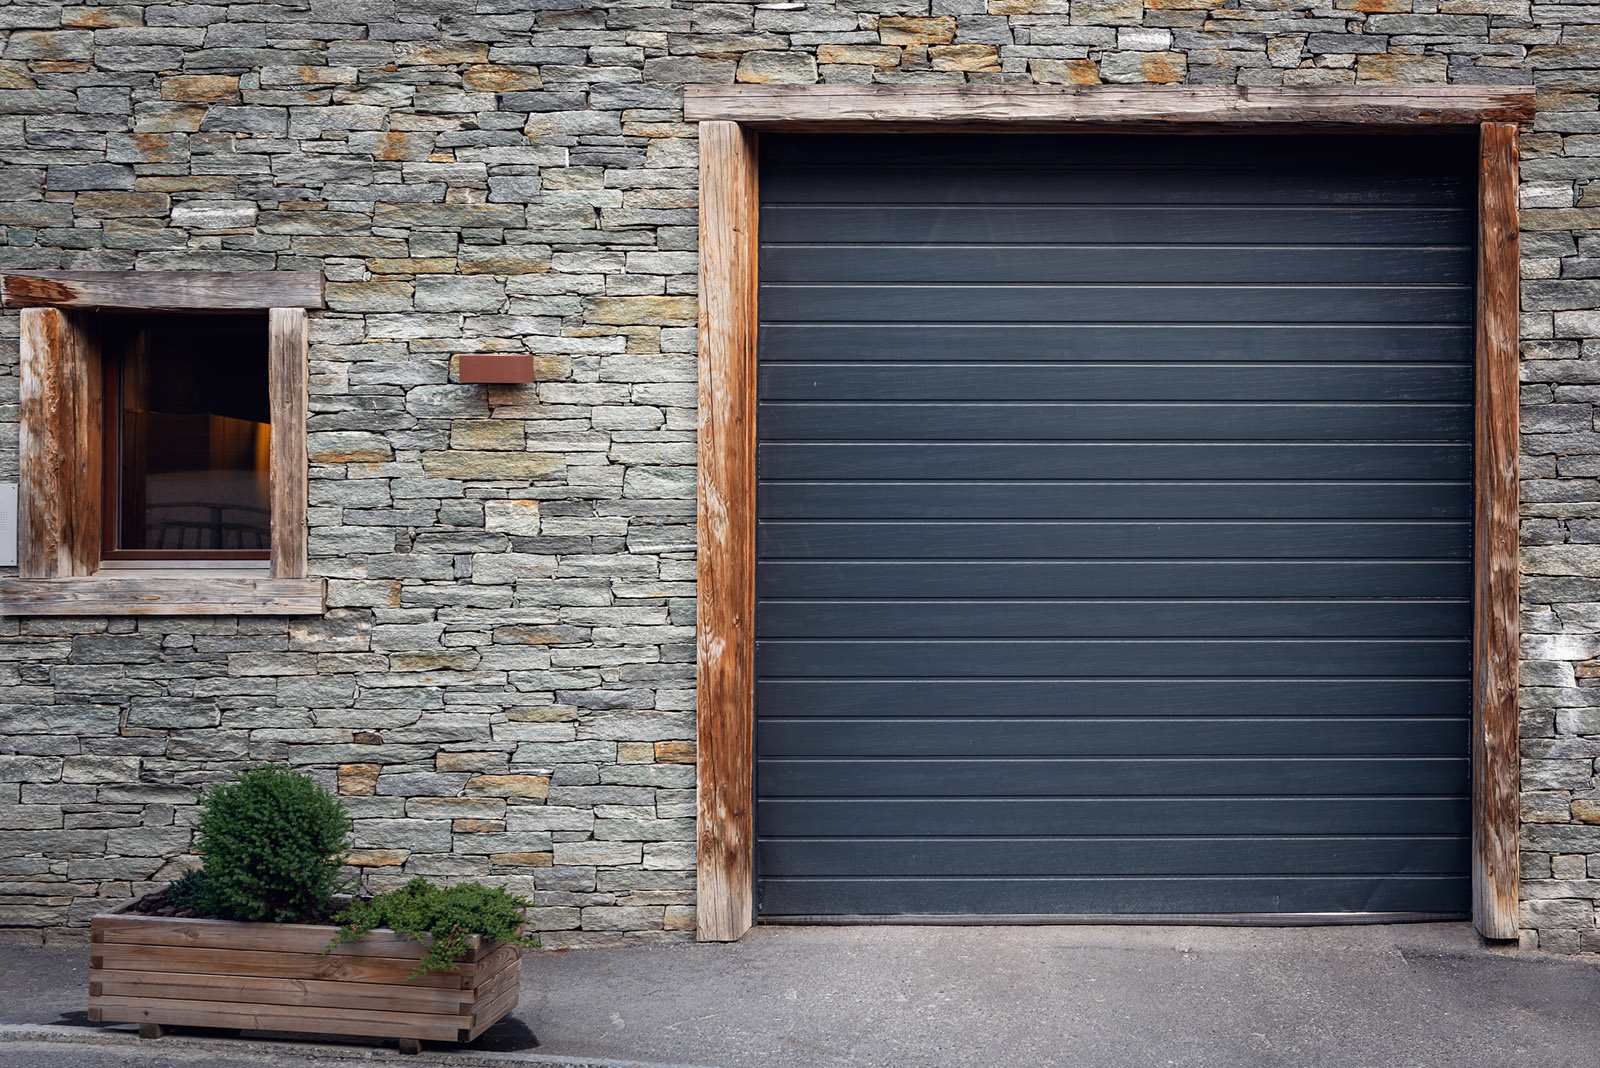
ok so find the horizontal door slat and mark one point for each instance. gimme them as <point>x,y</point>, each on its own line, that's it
<point>1115,776</point>
<point>822,460</point>
<point>1068,303</point>
<point>1113,500</point>
<point>1337,698</point>
<point>969,540</point>
<point>895,730</point>
<point>1008,857</point>
<point>855,658</point>
<point>991,381</point>
<point>1129,342</point>
<point>1379,159</point>
<point>1003,816</point>
<point>1296,183</point>
<point>1107,895</point>
<point>1112,619</point>
<point>1395,265</point>
<point>1109,421</point>
<point>1096,224</point>
<point>1113,578</point>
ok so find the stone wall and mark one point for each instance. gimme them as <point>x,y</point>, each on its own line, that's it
<point>503,687</point>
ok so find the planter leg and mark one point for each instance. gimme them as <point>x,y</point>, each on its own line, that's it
<point>411,1045</point>
<point>149,1030</point>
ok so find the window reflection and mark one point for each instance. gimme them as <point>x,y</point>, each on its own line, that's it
<point>192,434</point>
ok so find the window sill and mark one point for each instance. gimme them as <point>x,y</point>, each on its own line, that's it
<point>170,592</point>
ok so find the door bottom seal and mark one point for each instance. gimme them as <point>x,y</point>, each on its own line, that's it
<point>1232,919</point>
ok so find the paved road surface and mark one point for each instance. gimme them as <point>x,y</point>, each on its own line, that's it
<point>964,997</point>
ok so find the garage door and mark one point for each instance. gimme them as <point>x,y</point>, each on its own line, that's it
<point>1114,524</point>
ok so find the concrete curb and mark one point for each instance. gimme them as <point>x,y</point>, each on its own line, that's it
<point>55,1033</point>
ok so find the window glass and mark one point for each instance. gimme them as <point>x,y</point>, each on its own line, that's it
<point>187,396</point>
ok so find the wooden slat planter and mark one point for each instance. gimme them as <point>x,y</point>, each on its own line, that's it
<point>165,971</point>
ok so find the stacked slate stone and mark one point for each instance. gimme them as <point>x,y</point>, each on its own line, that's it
<point>504,685</point>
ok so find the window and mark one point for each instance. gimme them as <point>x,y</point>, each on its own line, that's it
<point>187,439</point>
<point>162,446</point>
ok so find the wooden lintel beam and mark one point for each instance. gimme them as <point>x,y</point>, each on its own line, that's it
<point>164,291</point>
<point>763,106</point>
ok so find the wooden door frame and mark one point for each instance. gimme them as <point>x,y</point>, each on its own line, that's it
<point>730,119</point>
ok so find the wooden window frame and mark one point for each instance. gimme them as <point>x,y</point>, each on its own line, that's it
<point>61,451</point>
<point>731,118</point>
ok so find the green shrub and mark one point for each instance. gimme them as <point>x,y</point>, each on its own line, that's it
<point>449,916</point>
<point>188,891</point>
<point>271,842</point>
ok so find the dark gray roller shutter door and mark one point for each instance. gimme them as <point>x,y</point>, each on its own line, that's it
<point>1114,524</point>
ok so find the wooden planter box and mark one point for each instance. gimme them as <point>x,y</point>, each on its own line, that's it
<point>158,970</point>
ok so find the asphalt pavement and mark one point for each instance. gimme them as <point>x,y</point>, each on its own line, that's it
<point>943,997</point>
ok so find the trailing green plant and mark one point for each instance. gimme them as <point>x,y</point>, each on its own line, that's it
<point>271,843</point>
<point>443,919</point>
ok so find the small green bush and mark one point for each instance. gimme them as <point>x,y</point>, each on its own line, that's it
<point>271,842</point>
<point>450,916</point>
<point>188,891</point>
